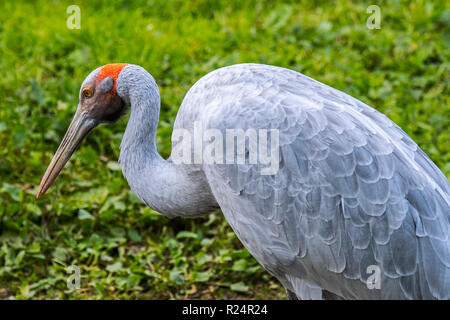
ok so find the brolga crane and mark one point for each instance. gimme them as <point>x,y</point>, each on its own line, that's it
<point>355,210</point>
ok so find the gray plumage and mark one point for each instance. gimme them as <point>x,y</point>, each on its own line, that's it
<point>352,189</point>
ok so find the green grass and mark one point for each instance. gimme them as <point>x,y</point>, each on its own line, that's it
<point>90,218</point>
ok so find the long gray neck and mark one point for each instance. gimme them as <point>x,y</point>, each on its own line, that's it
<point>173,190</point>
<point>139,90</point>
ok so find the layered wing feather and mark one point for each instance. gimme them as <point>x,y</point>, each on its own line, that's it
<point>352,189</point>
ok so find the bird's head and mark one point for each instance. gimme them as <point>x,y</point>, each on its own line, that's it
<point>99,102</point>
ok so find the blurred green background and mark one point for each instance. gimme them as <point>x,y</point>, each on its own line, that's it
<point>89,218</point>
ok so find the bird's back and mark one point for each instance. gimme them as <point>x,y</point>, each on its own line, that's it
<point>353,192</point>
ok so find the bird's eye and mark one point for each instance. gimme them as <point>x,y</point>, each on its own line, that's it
<point>87,93</point>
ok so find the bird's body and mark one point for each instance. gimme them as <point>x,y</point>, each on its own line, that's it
<point>353,196</point>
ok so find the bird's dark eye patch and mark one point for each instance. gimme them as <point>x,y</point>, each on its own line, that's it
<point>114,112</point>
<point>105,107</point>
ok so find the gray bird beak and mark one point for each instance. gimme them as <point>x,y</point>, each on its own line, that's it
<point>79,128</point>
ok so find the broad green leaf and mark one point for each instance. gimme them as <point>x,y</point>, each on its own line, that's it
<point>84,215</point>
<point>239,287</point>
<point>114,267</point>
